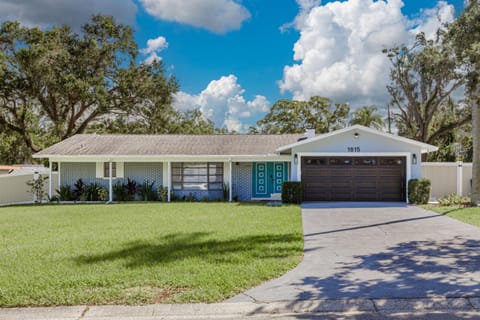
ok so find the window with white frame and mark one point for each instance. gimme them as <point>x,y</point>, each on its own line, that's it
<point>194,176</point>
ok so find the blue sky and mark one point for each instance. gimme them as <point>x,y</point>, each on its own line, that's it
<point>235,58</point>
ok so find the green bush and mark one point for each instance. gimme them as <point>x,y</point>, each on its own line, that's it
<point>93,192</point>
<point>419,191</point>
<point>147,191</point>
<point>163,193</point>
<point>120,192</point>
<point>65,193</point>
<point>454,200</point>
<point>292,192</point>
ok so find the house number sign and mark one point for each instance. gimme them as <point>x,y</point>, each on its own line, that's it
<point>353,149</point>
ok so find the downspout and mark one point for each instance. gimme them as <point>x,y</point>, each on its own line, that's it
<point>230,181</point>
<point>50,182</point>
<point>110,182</point>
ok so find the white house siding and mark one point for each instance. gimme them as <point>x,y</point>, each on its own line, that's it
<point>366,142</point>
<point>144,171</point>
<point>242,181</point>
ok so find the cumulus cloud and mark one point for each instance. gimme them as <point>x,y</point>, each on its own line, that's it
<point>223,102</point>
<point>154,46</point>
<point>75,13</point>
<point>339,51</point>
<point>219,16</point>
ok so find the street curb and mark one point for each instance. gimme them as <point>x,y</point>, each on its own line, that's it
<point>156,311</point>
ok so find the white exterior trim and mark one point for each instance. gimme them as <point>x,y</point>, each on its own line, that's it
<point>424,146</point>
<point>169,180</point>
<point>173,158</point>
<point>230,181</point>
<point>110,182</point>
<point>50,182</point>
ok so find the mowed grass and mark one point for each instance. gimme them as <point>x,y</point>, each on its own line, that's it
<point>142,253</point>
<point>468,215</point>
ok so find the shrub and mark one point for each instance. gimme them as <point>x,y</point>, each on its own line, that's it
<point>419,191</point>
<point>92,192</point>
<point>147,192</point>
<point>65,193</point>
<point>78,189</point>
<point>132,189</point>
<point>120,192</point>
<point>37,188</point>
<point>103,194</point>
<point>454,200</point>
<point>163,193</point>
<point>292,192</point>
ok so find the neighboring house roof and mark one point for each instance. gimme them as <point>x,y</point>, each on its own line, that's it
<point>8,168</point>
<point>168,145</point>
<point>424,146</point>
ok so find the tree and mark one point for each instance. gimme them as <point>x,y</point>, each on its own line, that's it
<point>464,35</point>
<point>56,83</point>
<point>290,116</point>
<point>367,116</point>
<point>424,77</point>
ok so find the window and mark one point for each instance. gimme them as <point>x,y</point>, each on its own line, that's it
<point>106,173</point>
<point>197,176</point>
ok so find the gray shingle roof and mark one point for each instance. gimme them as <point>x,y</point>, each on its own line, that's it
<point>168,145</point>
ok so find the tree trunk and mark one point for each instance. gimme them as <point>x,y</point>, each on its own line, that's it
<point>475,97</point>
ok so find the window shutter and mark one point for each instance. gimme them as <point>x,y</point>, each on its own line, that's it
<point>99,170</point>
<point>120,166</point>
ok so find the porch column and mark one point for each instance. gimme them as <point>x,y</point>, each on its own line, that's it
<point>169,179</point>
<point>50,182</point>
<point>110,182</point>
<point>58,174</point>
<point>230,181</point>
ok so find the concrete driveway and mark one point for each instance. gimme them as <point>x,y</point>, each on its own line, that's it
<point>378,250</point>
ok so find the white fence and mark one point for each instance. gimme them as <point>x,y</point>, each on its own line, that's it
<point>448,178</point>
<point>14,188</point>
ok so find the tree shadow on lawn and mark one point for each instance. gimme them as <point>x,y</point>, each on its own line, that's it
<point>179,246</point>
<point>414,269</point>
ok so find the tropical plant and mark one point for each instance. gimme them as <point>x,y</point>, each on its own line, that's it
<point>367,116</point>
<point>147,191</point>
<point>91,192</point>
<point>65,193</point>
<point>132,189</point>
<point>78,187</point>
<point>163,193</point>
<point>120,191</point>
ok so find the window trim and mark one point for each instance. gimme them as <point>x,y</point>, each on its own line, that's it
<point>178,180</point>
<point>106,170</point>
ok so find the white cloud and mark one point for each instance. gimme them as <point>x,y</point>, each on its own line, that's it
<point>219,16</point>
<point>339,51</point>
<point>223,102</point>
<point>75,13</point>
<point>154,46</point>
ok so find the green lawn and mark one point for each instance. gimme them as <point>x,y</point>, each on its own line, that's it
<point>467,215</point>
<point>142,252</point>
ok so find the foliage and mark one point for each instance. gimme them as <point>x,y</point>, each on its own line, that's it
<point>292,192</point>
<point>163,193</point>
<point>132,189</point>
<point>423,78</point>
<point>290,116</point>
<point>419,191</point>
<point>368,117</point>
<point>147,191</point>
<point>65,193</point>
<point>454,200</point>
<point>78,189</point>
<point>104,253</point>
<point>464,36</point>
<point>120,192</point>
<point>190,197</point>
<point>226,192</point>
<point>94,192</point>
<point>37,187</point>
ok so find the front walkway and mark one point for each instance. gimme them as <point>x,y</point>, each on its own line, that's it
<point>371,251</point>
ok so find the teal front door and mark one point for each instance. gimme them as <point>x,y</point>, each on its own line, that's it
<point>268,178</point>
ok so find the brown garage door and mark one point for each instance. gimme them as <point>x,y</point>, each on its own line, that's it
<point>353,178</point>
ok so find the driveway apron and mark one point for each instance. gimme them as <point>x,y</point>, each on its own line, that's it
<point>378,250</point>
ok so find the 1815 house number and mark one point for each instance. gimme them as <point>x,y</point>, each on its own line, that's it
<point>353,149</point>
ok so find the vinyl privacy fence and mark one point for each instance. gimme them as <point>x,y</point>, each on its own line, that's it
<point>448,178</point>
<point>14,188</point>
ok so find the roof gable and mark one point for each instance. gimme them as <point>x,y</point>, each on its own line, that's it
<point>358,128</point>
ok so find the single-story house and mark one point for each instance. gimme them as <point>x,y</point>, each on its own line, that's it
<point>352,164</point>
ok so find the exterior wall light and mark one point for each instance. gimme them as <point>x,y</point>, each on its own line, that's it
<point>356,135</point>
<point>295,159</point>
<point>414,159</point>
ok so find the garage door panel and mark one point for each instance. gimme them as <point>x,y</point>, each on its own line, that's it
<point>354,179</point>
